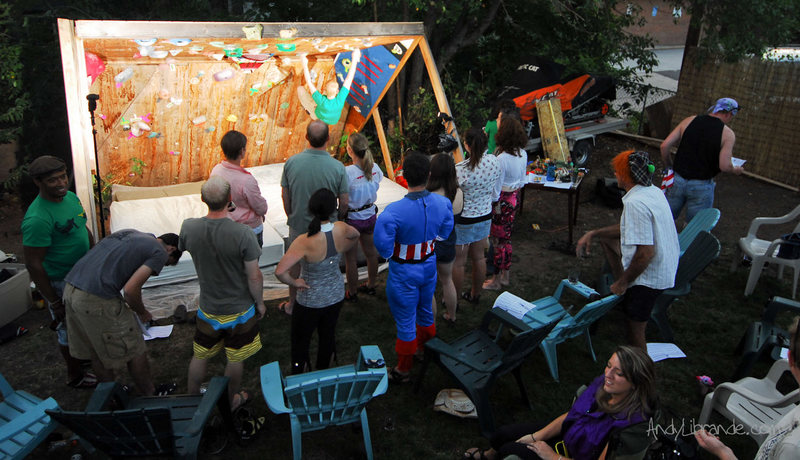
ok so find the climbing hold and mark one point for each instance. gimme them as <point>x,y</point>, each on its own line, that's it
<point>180,41</point>
<point>232,118</point>
<point>223,75</point>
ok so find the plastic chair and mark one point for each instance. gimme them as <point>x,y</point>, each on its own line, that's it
<point>704,221</point>
<point>569,326</point>
<point>477,359</point>
<point>762,251</point>
<point>23,421</point>
<point>756,404</point>
<point>149,425</point>
<point>703,250</point>
<point>319,399</point>
<point>764,337</point>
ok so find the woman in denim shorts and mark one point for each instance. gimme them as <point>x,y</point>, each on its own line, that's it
<point>477,177</point>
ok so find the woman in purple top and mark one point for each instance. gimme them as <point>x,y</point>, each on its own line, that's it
<point>624,395</point>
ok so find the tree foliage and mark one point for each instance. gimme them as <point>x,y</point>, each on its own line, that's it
<point>733,29</point>
<point>15,98</point>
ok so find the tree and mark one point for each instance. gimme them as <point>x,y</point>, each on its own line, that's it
<point>15,99</point>
<point>733,29</point>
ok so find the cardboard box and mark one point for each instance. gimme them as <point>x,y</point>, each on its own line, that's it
<point>15,293</point>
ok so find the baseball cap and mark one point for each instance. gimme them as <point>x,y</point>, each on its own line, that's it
<point>725,104</point>
<point>641,168</point>
<point>45,164</point>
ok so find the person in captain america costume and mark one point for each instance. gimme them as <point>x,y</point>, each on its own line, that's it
<point>405,233</point>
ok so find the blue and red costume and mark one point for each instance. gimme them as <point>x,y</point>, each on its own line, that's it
<point>405,233</point>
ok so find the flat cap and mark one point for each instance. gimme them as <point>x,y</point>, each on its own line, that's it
<point>45,164</point>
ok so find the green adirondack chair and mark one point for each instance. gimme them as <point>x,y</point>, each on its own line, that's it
<point>477,359</point>
<point>704,249</point>
<point>23,421</point>
<point>149,425</point>
<point>319,399</point>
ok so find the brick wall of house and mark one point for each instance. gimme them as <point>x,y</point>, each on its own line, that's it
<point>665,29</point>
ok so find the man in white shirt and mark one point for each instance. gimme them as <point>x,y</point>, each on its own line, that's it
<point>642,249</point>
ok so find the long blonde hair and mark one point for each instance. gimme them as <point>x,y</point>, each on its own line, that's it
<point>360,147</point>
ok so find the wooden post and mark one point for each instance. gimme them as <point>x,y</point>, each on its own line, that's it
<point>438,91</point>
<point>80,128</point>
<point>387,159</point>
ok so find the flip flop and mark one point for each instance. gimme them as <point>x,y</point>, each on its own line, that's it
<point>352,298</point>
<point>87,380</point>
<point>475,453</point>
<point>244,398</point>
<point>447,318</point>
<point>367,290</point>
<point>283,308</point>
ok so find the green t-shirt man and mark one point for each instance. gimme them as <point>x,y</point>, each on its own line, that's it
<point>59,227</point>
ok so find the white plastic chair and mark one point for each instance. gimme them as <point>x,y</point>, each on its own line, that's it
<point>754,403</point>
<point>762,251</point>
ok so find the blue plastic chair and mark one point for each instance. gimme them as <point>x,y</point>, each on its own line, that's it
<point>23,422</point>
<point>319,399</point>
<point>704,221</point>
<point>569,326</point>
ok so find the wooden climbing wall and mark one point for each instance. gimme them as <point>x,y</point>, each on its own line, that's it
<point>168,91</point>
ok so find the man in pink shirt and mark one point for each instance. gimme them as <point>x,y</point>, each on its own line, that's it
<point>247,206</point>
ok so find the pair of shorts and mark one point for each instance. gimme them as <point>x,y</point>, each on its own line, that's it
<point>470,233</point>
<point>445,250</point>
<point>638,302</point>
<point>237,333</point>
<point>364,226</point>
<point>107,328</point>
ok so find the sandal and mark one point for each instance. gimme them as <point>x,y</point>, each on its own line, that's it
<point>396,376</point>
<point>165,389</point>
<point>367,290</point>
<point>493,285</point>
<point>447,318</point>
<point>466,295</point>
<point>352,298</point>
<point>475,453</point>
<point>244,398</point>
<point>87,380</point>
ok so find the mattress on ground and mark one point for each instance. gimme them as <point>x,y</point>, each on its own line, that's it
<point>165,215</point>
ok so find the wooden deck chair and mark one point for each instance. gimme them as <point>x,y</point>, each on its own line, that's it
<point>319,399</point>
<point>704,249</point>
<point>704,221</point>
<point>477,359</point>
<point>149,425</point>
<point>23,421</point>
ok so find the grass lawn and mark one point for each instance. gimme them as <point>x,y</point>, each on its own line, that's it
<point>708,324</point>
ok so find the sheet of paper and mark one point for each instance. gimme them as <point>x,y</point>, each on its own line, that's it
<point>561,185</point>
<point>158,332</point>
<point>662,351</point>
<point>515,306</point>
<point>738,161</point>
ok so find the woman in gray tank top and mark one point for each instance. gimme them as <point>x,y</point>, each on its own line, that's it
<point>320,287</point>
